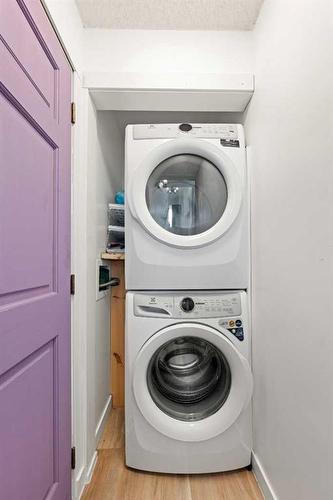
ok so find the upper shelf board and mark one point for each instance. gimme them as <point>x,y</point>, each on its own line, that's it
<point>169,92</point>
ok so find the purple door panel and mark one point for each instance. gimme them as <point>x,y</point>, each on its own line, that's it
<point>35,94</point>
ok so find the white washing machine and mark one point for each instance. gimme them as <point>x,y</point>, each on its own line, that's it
<point>187,210</point>
<point>188,381</point>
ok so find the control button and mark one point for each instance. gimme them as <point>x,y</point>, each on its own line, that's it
<point>187,304</point>
<point>238,322</point>
<point>231,323</point>
<point>185,127</point>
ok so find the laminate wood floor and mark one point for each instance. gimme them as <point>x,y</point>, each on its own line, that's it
<point>113,481</point>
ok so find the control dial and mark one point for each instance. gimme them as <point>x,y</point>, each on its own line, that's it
<point>185,127</point>
<point>187,304</point>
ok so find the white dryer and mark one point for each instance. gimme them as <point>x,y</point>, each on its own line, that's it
<point>188,381</point>
<point>187,210</point>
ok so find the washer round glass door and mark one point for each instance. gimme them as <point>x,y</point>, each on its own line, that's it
<point>186,193</point>
<point>190,382</point>
<point>189,378</point>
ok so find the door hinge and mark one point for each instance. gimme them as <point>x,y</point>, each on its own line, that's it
<point>73,112</point>
<point>73,458</point>
<point>72,285</point>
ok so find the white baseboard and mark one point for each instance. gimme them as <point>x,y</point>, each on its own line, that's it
<point>91,467</point>
<point>79,484</point>
<point>86,478</point>
<point>83,479</point>
<point>103,418</point>
<point>262,479</point>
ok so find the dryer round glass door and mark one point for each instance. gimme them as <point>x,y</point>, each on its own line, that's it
<point>189,378</point>
<point>190,382</point>
<point>186,193</point>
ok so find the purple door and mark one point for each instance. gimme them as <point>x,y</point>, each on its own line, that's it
<point>35,92</point>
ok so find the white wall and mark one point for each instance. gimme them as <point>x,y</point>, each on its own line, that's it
<point>156,51</point>
<point>159,51</point>
<point>290,135</point>
<point>104,149</point>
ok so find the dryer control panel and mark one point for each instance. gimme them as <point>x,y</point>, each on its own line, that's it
<point>222,131</point>
<point>187,305</point>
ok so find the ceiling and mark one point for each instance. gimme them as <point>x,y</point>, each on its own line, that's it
<point>170,14</point>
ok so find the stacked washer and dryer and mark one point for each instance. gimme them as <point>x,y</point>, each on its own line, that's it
<point>188,381</point>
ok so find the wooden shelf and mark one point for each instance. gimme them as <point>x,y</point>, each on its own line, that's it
<point>113,256</point>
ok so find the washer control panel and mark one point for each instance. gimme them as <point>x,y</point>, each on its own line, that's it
<point>188,305</point>
<point>228,132</point>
